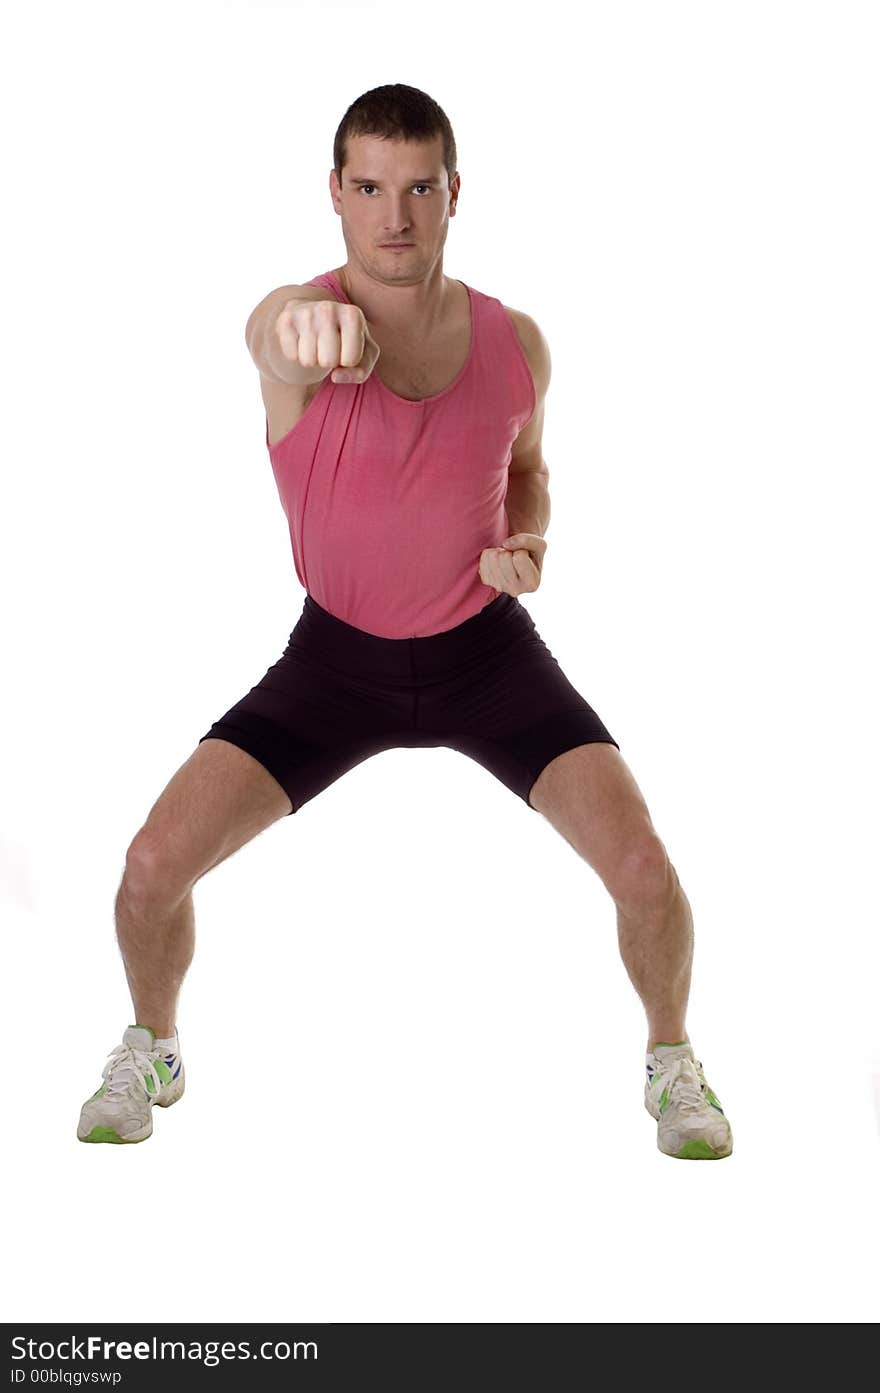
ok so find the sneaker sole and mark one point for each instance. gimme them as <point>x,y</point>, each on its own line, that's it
<point>109,1134</point>
<point>698,1150</point>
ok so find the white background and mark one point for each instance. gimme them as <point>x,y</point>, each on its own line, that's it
<point>414,1060</point>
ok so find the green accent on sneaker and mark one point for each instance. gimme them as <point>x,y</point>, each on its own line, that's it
<point>162,1070</point>
<point>143,1027</point>
<point>99,1093</point>
<point>713,1101</point>
<point>151,1087</point>
<point>670,1045</point>
<point>664,1100</point>
<point>104,1134</point>
<point>697,1150</point>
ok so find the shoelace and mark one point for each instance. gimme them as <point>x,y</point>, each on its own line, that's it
<point>126,1066</point>
<point>683,1085</point>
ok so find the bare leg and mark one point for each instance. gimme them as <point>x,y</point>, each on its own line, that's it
<point>591,798</point>
<point>218,800</point>
<point>157,945</point>
<point>657,947</point>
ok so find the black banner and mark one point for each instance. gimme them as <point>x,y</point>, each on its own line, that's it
<point>344,1356</point>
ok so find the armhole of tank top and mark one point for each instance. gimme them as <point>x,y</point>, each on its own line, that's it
<point>530,377</point>
<point>288,434</point>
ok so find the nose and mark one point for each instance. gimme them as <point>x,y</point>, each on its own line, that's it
<point>398,222</point>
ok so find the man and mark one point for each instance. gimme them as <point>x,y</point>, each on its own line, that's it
<point>404,413</point>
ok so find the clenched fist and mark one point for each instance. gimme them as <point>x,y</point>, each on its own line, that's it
<point>515,566</point>
<point>327,334</point>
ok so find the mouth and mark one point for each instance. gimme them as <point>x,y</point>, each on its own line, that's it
<point>396,246</point>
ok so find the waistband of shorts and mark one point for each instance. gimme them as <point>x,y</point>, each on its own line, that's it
<point>499,621</point>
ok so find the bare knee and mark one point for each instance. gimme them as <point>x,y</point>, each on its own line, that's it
<point>154,877</point>
<point>645,879</point>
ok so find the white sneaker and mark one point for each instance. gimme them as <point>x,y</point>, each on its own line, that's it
<point>692,1125</point>
<point>136,1076</point>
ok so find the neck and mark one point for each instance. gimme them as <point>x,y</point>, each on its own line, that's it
<point>413,308</point>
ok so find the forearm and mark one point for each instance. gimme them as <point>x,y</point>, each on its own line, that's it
<point>527,502</point>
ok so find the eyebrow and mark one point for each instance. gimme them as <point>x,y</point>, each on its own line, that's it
<point>378,181</point>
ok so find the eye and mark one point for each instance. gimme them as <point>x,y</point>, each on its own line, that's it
<point>363,187</point>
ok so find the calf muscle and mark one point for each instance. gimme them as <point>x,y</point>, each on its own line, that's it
<point>218,800</point>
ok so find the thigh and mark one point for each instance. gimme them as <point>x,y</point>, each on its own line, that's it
<point>218,800</point>
<point>590,795</point>
<point>312,717</point>
<point>514,711</point>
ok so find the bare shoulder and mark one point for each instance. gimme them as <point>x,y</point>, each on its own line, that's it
<point>535,347</point>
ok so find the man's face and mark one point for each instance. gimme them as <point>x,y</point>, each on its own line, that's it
<point>394,191</point>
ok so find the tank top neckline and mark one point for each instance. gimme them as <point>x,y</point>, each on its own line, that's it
<point>421,401</point>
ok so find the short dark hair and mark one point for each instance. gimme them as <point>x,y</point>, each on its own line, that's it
<point>395,111</point>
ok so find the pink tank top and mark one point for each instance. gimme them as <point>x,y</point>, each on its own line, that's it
<point>390,502</point>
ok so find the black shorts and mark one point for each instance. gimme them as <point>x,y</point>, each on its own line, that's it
<point>489,688</point>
